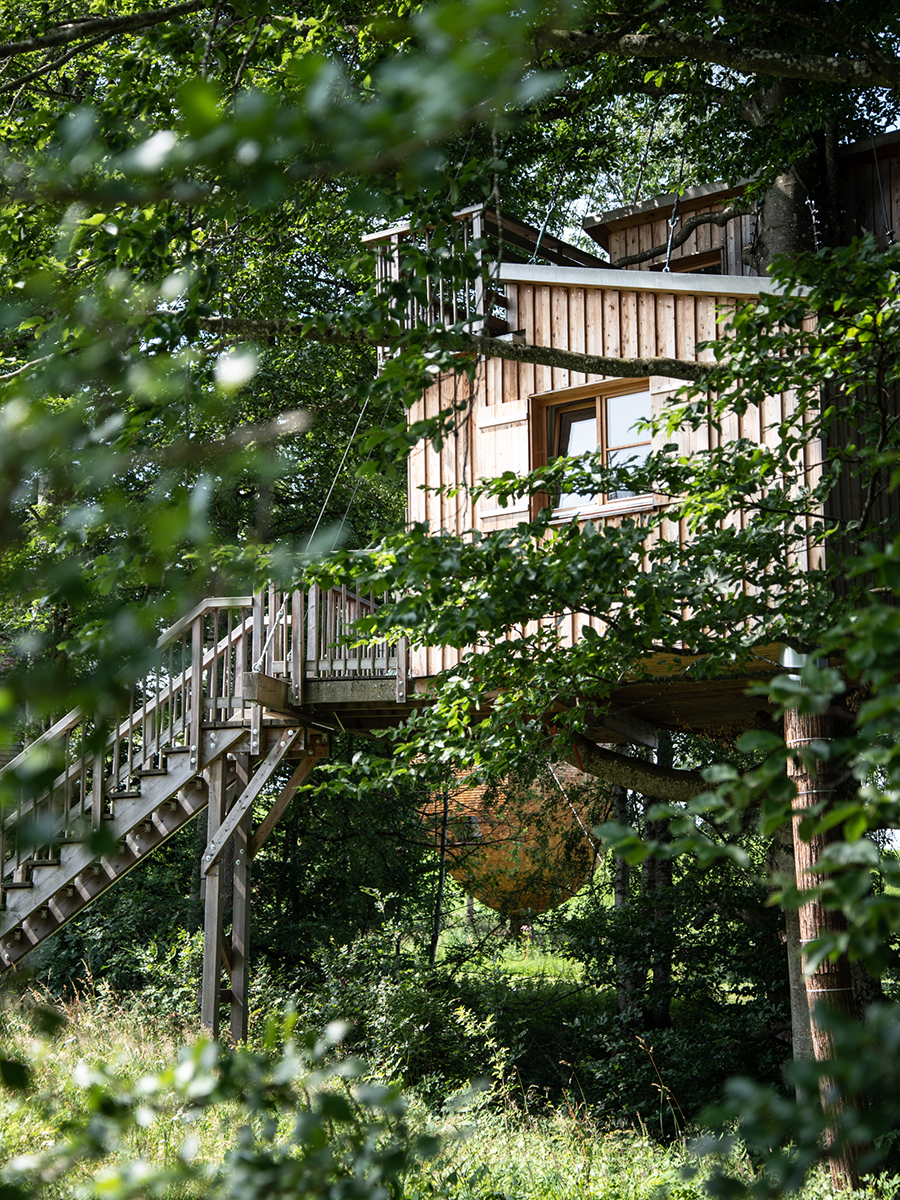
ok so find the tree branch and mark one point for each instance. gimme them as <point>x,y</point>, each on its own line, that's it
<point>577,46</point>
<point>544,356</point>
<point>21,80</point>
<point>71,32</point>
<point>721,219</point>
<point>591,364</point>
<point>663,783</point>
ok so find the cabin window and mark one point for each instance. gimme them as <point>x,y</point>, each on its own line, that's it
<point>609,422</point>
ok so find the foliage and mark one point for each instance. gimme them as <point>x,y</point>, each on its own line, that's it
<point>302,1123</point>
<point>138,180</point>
<point>94,1060</point>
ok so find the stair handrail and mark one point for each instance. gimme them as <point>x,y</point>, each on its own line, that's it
<point>69,722</point>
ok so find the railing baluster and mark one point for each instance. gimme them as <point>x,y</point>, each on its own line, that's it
<point>196,701</point>
<point>298,665</point>
<point>256,652</point>
<point>97,790</point>
<point>330,633</point>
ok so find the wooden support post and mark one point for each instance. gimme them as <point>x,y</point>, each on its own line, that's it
<point>256,647</point>
<point>212,906</point>
<point>298,645</point>
<point>215,847</point>
<point>240,931</point>
<point>97,790</point>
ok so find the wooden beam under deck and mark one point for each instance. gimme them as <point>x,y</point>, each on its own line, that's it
<point>667,697</point>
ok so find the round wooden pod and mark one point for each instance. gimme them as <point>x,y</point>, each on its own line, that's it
<point>521,852</point>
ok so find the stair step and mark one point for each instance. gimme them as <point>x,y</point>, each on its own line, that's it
<point>151,771</point>
<point>44,862</point>
<point>17,883</point>
<point>167,750</point>
<point>125,794</point>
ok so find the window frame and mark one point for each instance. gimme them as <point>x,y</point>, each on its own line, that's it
<point>545,406</point>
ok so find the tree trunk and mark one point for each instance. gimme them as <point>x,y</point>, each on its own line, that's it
<point>830,985</point>
<point>656,880</point>
<point>785,223</point>
<point>619,813</point>
<point>801,1030</point>
<point>437,920</point>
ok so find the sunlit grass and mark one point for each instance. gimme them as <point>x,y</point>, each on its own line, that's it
<point>503,1149</point>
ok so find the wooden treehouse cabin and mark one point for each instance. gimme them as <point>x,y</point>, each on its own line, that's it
<point>245,684</point>
<point>540,291</point>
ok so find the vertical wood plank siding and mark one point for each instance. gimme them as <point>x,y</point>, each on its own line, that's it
<point>648,231</point>
<point>495,435</point>
<point>870,203</point>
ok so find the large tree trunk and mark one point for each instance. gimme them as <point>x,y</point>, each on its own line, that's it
<point>785,221</point>
<point>656,881</point>
<point>801,1030</point>
<point>830,985</point>
<point>621,880</point>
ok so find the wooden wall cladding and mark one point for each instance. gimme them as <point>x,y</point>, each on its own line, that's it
<point>870,187</point>
<point>648,231</point>
<point>505,398</point>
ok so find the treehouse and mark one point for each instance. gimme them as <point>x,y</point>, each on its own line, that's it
<point>246,684</point>
<point>676,266</point>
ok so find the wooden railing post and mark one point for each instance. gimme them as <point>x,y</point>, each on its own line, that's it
<point>480,289</point>
<point>402,669</point>
<point>195,723</point>
<point>256,646</point>
<point>298,645</point>
<point>97,771</point>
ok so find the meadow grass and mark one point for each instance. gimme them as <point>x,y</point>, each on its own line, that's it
<point>497,1150</point>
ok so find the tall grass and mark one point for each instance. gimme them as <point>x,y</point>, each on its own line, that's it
<point>495,1149</point>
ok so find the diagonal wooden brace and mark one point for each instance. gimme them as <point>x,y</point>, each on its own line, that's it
<point>260,778</point>
<point>273,816</point>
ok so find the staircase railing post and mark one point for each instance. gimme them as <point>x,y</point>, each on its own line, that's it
<point>196,714</point>
<point>97,773</point>
<point>402,669</point>
<point>298,645</point>
<point>257,642</point>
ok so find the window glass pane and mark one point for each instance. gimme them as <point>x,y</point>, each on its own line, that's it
<point>577,432</point>
<point>634,456</point>
<point>622,412</point>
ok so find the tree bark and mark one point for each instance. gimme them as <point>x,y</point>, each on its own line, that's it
<point>622,877</point>
<point>656,881</point>
<point>650,779</point>
<point>785,224</point>
<point>829,985</point>
<point>801,1030</point>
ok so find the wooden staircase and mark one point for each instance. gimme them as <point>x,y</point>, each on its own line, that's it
<point>206,728</point>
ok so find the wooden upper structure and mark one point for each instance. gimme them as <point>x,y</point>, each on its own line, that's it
<point>544,293</point>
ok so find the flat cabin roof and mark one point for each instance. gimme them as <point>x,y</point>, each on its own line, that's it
<point>637,281</point>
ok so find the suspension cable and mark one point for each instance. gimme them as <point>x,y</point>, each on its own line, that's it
<point>888,229</point>
<point>273,625</point>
